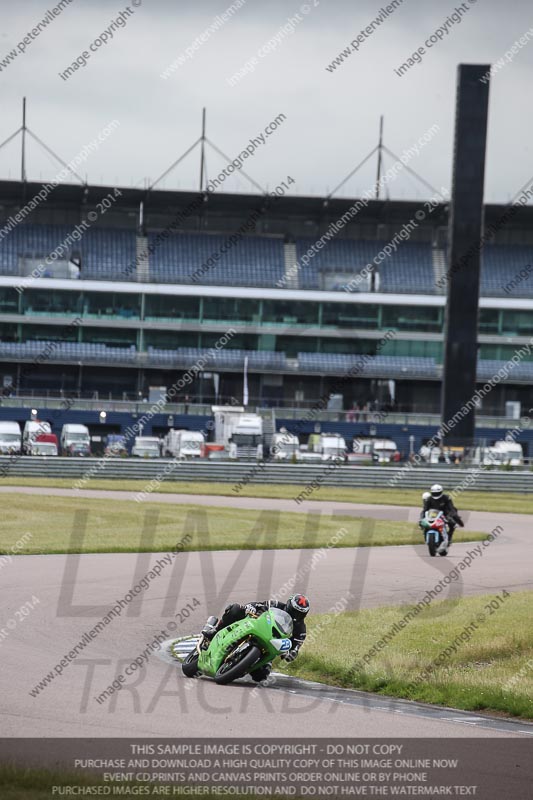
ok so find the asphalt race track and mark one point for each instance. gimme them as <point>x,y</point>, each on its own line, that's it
<point>75,592</point>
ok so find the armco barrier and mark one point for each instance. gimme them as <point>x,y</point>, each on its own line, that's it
<point>250,472</point>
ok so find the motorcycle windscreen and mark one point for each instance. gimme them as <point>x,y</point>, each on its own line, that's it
<point>282,621</point>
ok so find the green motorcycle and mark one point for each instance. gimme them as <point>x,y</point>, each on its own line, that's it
<point>241,648</point>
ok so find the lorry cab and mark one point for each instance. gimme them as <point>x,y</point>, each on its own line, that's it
<point>44,444</point>
<point>285,446</point>
<point>384,451</point>
<point>32,429</point>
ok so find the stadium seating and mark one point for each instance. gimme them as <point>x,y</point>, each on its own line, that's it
<point>378,366</point>
<point>31,241</point>
<point>252,261</point>
<point>230,359</point>
<point>110,254</point>
<point>68,351</point>
<point>487,369</point>
<point>106,253</point>
<point>369,366</point>
<point>501,268</point>
<point>409,269</point>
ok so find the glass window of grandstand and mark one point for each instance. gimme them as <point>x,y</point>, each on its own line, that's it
<point>239,342</point>
<point>412,318</point>
<point>350,315</point>
<point>347,346</point>
<point>231,309</point>
<point>49,333</point>
<point>47,303</point>
<point>292,345</point>
<point>171,308</point>
<point>489,320</point>
<point>171,340</point>
<point>9,300</point>
<point>111,337</point>
<point>419,348</point>
<point>287,312</point>
<point>503,352</point>
<point>8,332</point>
<point>111,304</point>
<point>517,323</point>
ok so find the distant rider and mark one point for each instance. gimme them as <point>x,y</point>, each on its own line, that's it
<point>438,500</point>
<point>297,606</point>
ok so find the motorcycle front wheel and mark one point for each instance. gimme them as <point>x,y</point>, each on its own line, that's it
<point>234,668</point>
<point>432,543</point>
<point>190,665</point>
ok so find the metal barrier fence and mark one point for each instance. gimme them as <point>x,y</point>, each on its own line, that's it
<point>327,474</point>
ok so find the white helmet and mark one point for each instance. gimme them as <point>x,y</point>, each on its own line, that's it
<point>426,496</point>
<point>436,491</point>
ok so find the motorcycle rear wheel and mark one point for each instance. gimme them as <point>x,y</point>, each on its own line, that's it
<point>229,671</point>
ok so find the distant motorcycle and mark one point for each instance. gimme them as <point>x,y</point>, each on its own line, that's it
<point>435,527</point>
<point>241,648</point>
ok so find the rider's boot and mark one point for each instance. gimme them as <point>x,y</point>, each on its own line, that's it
<point>444,547</point>
<point>262,673</point>
<point>210,627</point>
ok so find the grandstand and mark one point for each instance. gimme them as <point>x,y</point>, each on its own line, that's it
<point>153,298</point>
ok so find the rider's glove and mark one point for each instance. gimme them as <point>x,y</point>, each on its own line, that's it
<point>291,655</point>
<point>250,610</point>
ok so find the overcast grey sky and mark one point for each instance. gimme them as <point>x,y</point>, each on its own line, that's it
<point>332,117</point>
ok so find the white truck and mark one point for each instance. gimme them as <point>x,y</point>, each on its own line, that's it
<point>384,451</point>
<point>285,446</point>
<point>332,446</point>
<point>361,452</point>
<point>368,450</point>
<point>10,438</point>
<point>501,453</point>
<point>74,439</point>
<point>240,433</point>
<point>183,444</point>
<point>146,447</point>
<point>32,429</point>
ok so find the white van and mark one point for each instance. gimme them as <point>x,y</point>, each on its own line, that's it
<point>146,447</point>
<point>32,429</point>
<point>184,444</point>
<point>10,438</point>
<point>74,435</point>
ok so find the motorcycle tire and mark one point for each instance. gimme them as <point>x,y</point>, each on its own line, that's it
<point>228,671</point>
<point>432,543</point>
<point>190,665</point>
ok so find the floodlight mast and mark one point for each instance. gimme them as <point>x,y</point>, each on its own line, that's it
<point>23,130</point>
<point>202,153</point>
<point>380,157</point>
<point>23,154</point>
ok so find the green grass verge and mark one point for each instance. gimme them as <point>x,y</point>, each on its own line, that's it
<point>491,669</point>
<point>473,501</point>
<point>56,525</point>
